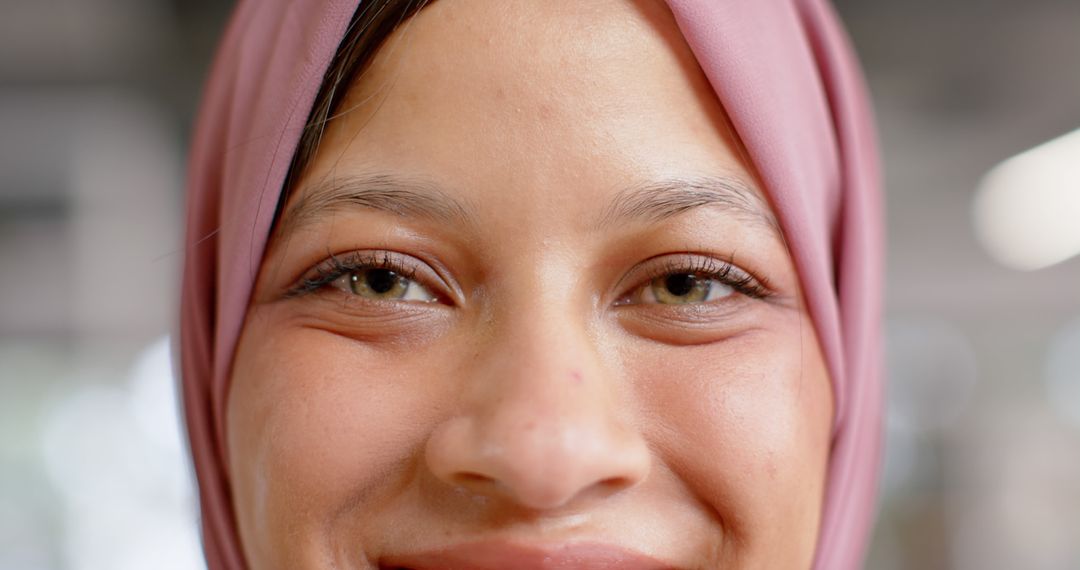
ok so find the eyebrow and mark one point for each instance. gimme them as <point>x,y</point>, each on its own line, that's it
<point>649,202</point>
<point>663,199</point>
<point>384,192</point>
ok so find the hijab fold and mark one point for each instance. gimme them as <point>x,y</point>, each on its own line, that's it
<point>783,71</point>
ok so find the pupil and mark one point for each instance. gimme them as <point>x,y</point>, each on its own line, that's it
<point>381,280</point>
<point>681,284</point>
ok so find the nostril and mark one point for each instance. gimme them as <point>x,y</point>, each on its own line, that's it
<point>613,485</point>
<point>468,478</point>
<point>614,482</point>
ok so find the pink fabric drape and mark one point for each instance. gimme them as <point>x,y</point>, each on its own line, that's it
<point>786,76</point>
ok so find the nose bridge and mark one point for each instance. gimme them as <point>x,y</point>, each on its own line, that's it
<point>544,420</point>
<point>546,355</point>
<point>549,394</point>
<point>542,360</point>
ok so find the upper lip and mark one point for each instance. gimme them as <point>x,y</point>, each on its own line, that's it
<point>496,555</point>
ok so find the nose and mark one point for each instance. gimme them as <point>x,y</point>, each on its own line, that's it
<point>542,425</point>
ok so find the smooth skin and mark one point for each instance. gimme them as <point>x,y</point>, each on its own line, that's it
<point>593,333</point>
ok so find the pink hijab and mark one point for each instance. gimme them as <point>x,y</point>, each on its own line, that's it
<point>785,74</point>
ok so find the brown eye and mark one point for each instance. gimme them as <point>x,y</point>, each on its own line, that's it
<point>378,283</point>
<point>683,289</point>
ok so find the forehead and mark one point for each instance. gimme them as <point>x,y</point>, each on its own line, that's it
<point>532,105</point>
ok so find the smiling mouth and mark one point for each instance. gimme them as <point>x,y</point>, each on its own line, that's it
<point>507,556</point>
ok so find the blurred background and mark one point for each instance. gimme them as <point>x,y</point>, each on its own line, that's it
<point>983,299</point>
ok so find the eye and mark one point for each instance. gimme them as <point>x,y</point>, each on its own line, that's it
<point>372,276</point>
<point>378,283</point>
<point>692,279</point>
<point>684,289</point>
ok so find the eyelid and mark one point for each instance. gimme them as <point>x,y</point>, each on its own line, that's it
<point>335,266</point>
<point>690,262</point>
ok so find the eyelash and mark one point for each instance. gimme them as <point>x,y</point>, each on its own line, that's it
<point>709,268</point>
<point>723,272</point>
<point>335,267</point>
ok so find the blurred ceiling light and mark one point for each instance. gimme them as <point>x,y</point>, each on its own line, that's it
<point>1027,209</point>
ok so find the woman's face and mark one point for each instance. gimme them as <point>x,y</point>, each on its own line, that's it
<point>528,308</point>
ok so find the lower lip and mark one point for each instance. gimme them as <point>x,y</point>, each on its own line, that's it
<point>502,556</point>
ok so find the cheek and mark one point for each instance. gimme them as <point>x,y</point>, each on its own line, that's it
<point>746,423</point>
<point>317,424</point>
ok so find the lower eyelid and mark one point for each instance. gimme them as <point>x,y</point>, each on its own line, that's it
<point>693,323</point>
